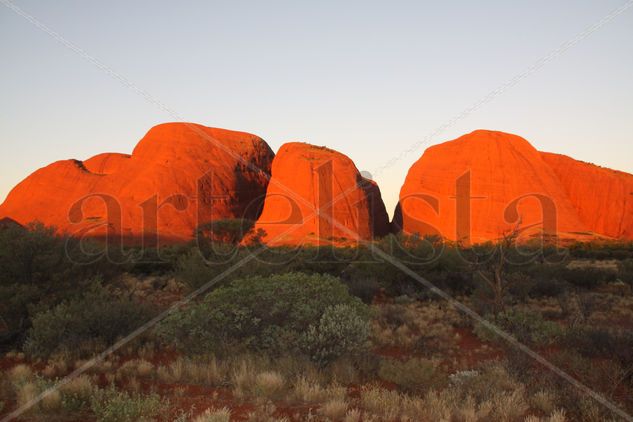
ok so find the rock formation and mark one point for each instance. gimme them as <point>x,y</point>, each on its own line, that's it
<point>308,180</point>
<point>603,198</point>
<point>483,185</point>
<point>178,176</point>
<point>475,188</point>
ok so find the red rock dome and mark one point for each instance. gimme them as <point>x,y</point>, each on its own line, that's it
<point>179,175</point>
<point>307,178</point>
<point>483,185</point>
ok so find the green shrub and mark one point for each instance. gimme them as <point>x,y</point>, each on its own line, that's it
<point>39,270</point>
<point>414,375</point>
<point>197,267</point>
<point>527,328</point>
<point>547,287</point>
<point>29,254</point>
<point>227,231</point>
<point>340,331</point>
<point>258,313</point>
<point>14,309</point>
<point>79,325</point>
<point>586,278</point>
<point>363,288</point>
<point>594,342</point>
<point>192,268</point>
<point>110,405</point>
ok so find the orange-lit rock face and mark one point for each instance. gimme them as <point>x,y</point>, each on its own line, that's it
<point>602,197</point>
<point>480,186</point>
<point>106,163</point>
<point>306,179</point>
<point>179,175</point>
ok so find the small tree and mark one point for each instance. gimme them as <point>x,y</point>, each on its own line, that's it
<point>30,254</point>
<point>226,231</point>
<point>494,269</point>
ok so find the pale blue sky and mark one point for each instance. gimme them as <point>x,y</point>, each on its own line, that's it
<point>366,78</point>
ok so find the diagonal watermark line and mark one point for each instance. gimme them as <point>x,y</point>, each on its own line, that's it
<point>533,68</point>
<point>393,260</point>
<point>143,328</point>
<point>501,333</point>
<point>478,104</point>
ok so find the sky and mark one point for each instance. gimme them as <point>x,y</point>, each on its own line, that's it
<point>369,79</point>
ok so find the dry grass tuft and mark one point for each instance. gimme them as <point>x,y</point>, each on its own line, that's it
<point>307,391</point>
<point>133,384</point>
<point>136,367</point>
<point>269,384</point>
<point>20,373</point>
<point>26,393</point>
<point>206,372</point>
<point>80,387</point>
<point>214,415</point>
<point>352,415</point>
<point>334,409</point>
<point>381,402</point>
<point>243,377</point>
<point>56,366</point>
<point>265,413</point>
<point>52,401</point>
<point>543,401</point>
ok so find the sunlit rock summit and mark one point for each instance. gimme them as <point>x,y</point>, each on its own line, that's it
<point>476,188</point>
<point>178,176</point>
<point>317,196</point>
<point>487,184</point>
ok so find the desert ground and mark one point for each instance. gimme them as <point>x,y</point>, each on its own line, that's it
<point>316,334</point>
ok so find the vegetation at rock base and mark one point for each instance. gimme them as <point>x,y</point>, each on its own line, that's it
<point>320,334</point>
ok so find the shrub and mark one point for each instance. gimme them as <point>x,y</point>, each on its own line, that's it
<point>340,331</point>
<point>14,309</point>
<point>363,288</point>
<point>228,231</point>
<point>28,254</point>
<point>547,287</point>
<point>413,375</point>
<point>39,270</point>
<point>269,314</point>
<point>528,328</point>
<point>193,269</point>
<point>77,326</point>
<point>601,342</point>
<point>587,278</point>
<point>110,405</point>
